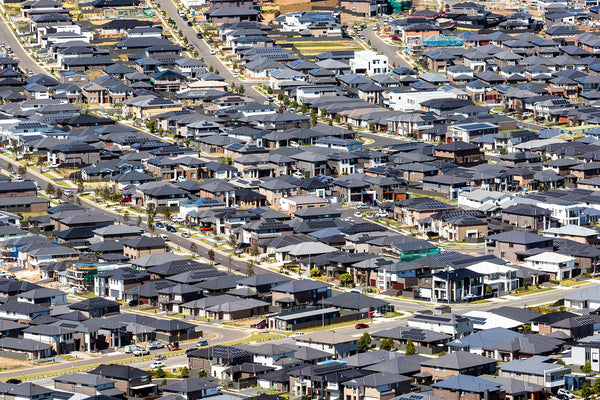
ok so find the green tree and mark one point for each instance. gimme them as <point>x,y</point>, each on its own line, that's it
<point>194,248</point>
<point>315,272</point>
<point>160,373</point>
<point>164,382</point>
<point>139,221</point>
<point>126,216</point>
<point>387,344</point>
<point>345,279</point>
<point>488,289</point>
<point>364,342</point>
<point>202,373</point>
<point>269,90</point>
<point>185,372</point>
<point>166,212</point>
<point>241,89</point>
<point>50,190</point>
<point>255,252</point>
<point>211,256</point>
<point>249,268</point>
<point>151,209</point>
<point>586,391</point>
<point>232,241</point>
<point>587,368</point>
<point>323,113</point>
<point>58,192</point>
<point>314,119</point>
<point>280,97</point>
<point>372,127</point>
<point>410,348</point>
<point>151,125</point>
<point>150,223</point>
<point>337,118</point>
<point>22,170</point>
<point>596,387</point>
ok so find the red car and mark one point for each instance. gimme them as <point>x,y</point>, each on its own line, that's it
<point>262,325</point>
<point>125,200</point>
<point>206,228</point>
<point>361,326</point>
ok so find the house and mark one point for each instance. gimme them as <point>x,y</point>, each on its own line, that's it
<point>575,233</point>
<point>369,63</point>
<point>128,380</point>
<point>87,384</point>
<point>459,153</point>
<point>300,293</point>
<point>22,312</point>
<point>337,344</point>
<point>527,216</point>
<point>380,386</point>
<point>143,246</point>
<point>193,388</point>
<point>115,282</point>
<point>425,341</point>
<point>514,246</point>
<point>538,370</point>
<point>96,307</point>
<point>458,363</point>
<point>473,387</point>
<point>25,349</point>
<point>559,266</point>
<point>455,325</point>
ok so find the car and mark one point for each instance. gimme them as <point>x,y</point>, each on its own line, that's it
<point>133,303</point>
<point>202,343</point>
<point>261,325</point>
<point>53,165</point>
<point>157,365</point>
<point>125,199</point>
<point>235,75</point>
<point>190,23</point>
<point>361,37</point>
<point>381,214</point>
<point>131,349</point>
<point>14,381</point>
<point>349,219</point>
<point>211,52</point>
<point>155,345</point>
<point>375,27</point>
<point>199,35</point>
<point>363,207</point>
<point>160,225</point>
<point>171,228</point>
<point>361,326</point>
<point>160,356</point>
<point>140,352</point>
<point>18,177</point>
<point>298,334</point>
<point>177,219</point>
<point>358,214</point>
<point>164,237</point>
<point>185,235</point>
<point>206,228</point>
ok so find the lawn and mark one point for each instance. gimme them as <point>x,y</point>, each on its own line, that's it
<point>255,337</point>
<point>312,48</point>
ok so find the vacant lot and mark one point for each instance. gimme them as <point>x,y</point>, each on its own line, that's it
<point>312,48</point>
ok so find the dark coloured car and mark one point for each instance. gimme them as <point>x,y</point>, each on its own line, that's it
<point>160,225</point>
<point>171,228</point>
<point>133,303</point>
<point>14,381</point>
<point>190,23</point>
<point>262,325</point>
<point>199,35</point>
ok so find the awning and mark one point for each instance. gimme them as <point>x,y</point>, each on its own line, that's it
<point>114,392</point>
<point>147,386</point>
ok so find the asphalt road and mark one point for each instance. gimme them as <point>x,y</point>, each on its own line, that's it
<point>203,49</point>
<point>381,141</point>
<point>387,49</point>
<point>25,61</point>
<point>223,335</point>
<point>175,239</point>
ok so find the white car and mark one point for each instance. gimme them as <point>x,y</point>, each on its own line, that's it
<point>181,178</point>
<point>298,334</point>
<point>211,52</point>
<point>157,364</point>
<point>358,214</point>
<point>53,165</point>
<point>163,236</point>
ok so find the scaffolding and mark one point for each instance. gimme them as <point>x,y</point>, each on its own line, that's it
<point>442,41</point>
<point>399,6</point>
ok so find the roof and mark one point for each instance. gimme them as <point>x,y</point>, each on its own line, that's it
<point>354,301</point>
<point>536,365</point>
<point>298,286</point>
<point>326,337</point>
<point>459,360</point>
<point>468,383</point>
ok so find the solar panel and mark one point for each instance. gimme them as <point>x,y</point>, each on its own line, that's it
<point>478,320</point>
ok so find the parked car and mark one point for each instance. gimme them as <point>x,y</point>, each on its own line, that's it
<point>202,343</point>
<point>199,35</point>
<point>160,357</point>
<point>14,381</point>
<point>140,352</point>
<point>190,23</point>
<point>53,165</point>
<point>157,364</point>
<point>363,207</point>
<point>206,228</point>
<point>133,303</point>
<point>155,345</point>
<point>171,228</point>
<point>358,214</point>
<point>381,214</point>
<point>160,225</point>
<point>361,326</point>
<point>298,334</point>
<point>211,52</point>
<point>185,234</point>
<point>164,236</point>
<point>125,199</point>
<point>131,349</point>
<point>261,325</point>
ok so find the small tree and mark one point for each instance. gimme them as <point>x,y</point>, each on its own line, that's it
<point>372,127</point>
<point>241,89</point>
<point>364,342</point>
<point>151,210</point>
<point>126,216</point>
<point>202,373</point>
<point>229,262</point>
<point>410,348</point>
<point>160,373</point>
<point>587,368</point>
<point>151,125</point>
<point>139,221</point>
<point>58,192</point>
<point>314,119</point>
<point>255,252</point>
<point>164,382</point>
<point>387,344</point>
<point>50,189</point>
<point>249,268</point>
<point>185,372</point>
<point>232,241</point>
<point>194,249</point>
<point>211,256</point>
<point>22,170</point>
<point>596,387</point>
<point>150,223</point>
<point>166,212</point>
<point>315,272</point>
<point>586,391</point>
<point>345,279</point>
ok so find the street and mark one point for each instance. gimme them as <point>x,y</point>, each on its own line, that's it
<point>25,61</point>
<point>379,45</point>
<point>203,49</point>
